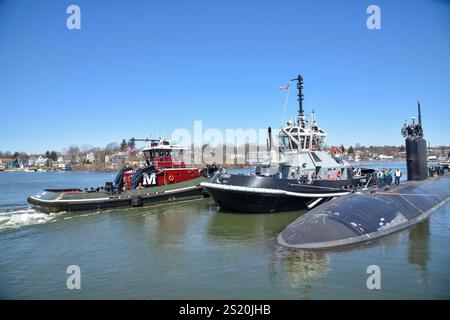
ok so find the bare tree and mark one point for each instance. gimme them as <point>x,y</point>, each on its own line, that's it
<point>72,152</point>
<point>112,147</point>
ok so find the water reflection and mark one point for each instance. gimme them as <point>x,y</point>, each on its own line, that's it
<point>419,249</point>
<point>171,223</point>
<point>302,268</point>
<point>161,224</point>
<point>243,226</point>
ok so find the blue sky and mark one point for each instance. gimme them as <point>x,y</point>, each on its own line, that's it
<point>141,68</point>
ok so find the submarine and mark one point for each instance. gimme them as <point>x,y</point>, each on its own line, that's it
<point>373,213</point>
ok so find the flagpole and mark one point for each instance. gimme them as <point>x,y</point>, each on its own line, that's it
<point>285,104</point>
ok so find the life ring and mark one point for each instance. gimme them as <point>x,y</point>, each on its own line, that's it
<point>171,178</point>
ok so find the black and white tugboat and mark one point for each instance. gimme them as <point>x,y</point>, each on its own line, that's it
<point>165,178</point>
<point>301,175</point>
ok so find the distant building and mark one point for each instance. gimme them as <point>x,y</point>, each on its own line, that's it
<point>16,164</point>
<point>385,157</point>
<point>40,161</point>
<point>255,157</point>
<point>90,157</point>
<point>120,157</point>
<point>64,166</point>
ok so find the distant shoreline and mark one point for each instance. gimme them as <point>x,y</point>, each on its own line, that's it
<point>102,168</point>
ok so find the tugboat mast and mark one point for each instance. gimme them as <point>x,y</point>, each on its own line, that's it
<point>301,115</point>
<point>419,114</point>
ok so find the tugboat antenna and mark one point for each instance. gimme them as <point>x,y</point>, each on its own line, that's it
<point>300,120</point>
<point>419,114</point>
<point>269,141</point>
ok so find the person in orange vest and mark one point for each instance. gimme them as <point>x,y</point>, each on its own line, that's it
<point>338,174</point>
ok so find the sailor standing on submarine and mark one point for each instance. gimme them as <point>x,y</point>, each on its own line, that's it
<point>380,178</point>
<point>388,177</point>
<point>398,175</point>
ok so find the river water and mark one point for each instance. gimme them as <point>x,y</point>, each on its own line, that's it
<point>191,250</point>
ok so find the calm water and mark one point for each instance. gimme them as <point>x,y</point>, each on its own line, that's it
<point>190,250</point>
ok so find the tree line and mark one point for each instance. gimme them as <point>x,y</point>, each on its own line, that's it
<point>73,151</point>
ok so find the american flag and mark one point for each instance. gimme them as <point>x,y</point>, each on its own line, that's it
<point>284,87</point>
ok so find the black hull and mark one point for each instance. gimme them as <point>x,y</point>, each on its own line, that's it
<point>256,194</point>
<point>70,205</point>
<point>250,202</point>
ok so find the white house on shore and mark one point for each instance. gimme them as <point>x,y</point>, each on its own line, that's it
<point>40,161</point>
<point>61,163</point>
<point>385,157</point>
<point>90,157</point>
<point>119,157</point>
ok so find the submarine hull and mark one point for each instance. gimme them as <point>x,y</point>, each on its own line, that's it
<point>364,216</point>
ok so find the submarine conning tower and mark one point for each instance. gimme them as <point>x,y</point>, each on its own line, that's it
<point>416,149</point>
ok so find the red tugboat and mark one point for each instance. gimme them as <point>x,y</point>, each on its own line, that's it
<point>165,178</point>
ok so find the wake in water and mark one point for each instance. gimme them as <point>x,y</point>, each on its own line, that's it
<point>20,217</point>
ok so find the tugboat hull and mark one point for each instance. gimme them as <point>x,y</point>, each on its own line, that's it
<point>255,194</point>
<point>252,202</point>
<point>76,200</point>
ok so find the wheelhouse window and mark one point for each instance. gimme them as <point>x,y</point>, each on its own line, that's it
<point>154,153</point>
<point>302,141</point>
<point>286,142</point>
<point>307,142</point>
<point>294,145</point>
